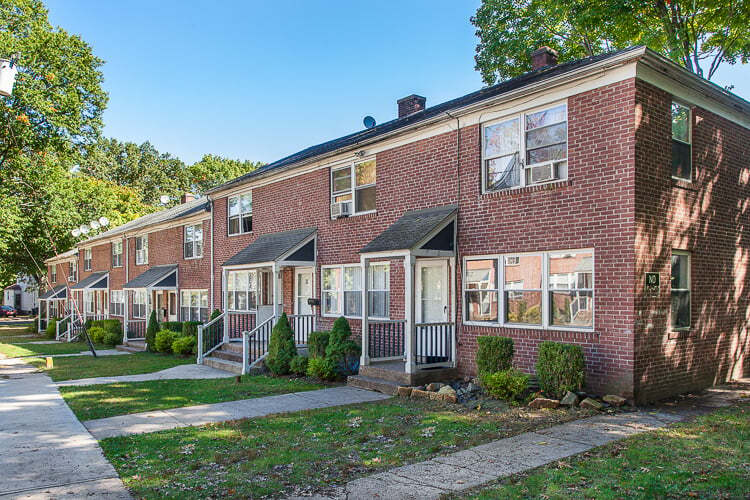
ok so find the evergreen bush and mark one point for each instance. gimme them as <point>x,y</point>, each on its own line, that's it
<point>508,384</point>
<point>560,368</point>
<point>184,345</point>
<point>151,331</point>
<point>281,348</point>
<point>322,368</point>
<point>164,340</point>
<point>111,338</point>
<point>96,334</point>
<point>174,326</point>
<point>342,351</point>
<point>190,328</point>
<point>298,366</point>
<point>494,354</point>
<point>51,331</point>
<point>317,343</point>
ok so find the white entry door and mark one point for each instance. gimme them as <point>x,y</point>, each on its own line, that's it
<point>303,290</point>
<point>431,291</point>
<point>172,308</point>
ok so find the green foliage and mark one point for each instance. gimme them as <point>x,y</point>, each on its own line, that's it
<point>151,331</point>
<point>322,368</point>
<point>184,345</point>
<point>298,366</point>
<point>96,334</point>
<point>281,348</point>
<point>340,345</point>
<point>494,354</point>
<point>164,340</point>
<point>34,326</point>
<point>317,343</point>
<point>509,384</point>
<point>111,338</point>
<point>215,314</point>
<point>108,325</point>
<point>191,328</point>
<point>699,36</point>
<point>51,331</point>
<point>175,326</point>
<point>560,368</point>
<point>213,170</point>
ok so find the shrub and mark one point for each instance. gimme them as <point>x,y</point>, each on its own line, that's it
<point>559,368</point>
<point>51,330</point>
<point>96,334</point>
<point>494,354</point>
<point>342,350</point>
<point>34,327</point>
<point>281,348</point>
<point>322,368</point>
<point>151,331</point>
<point>111,326</point>
<point>172,326</point>
<point>164,340</point>
<point>317,343</point>
<point>190,328</point>
<point>214,314</point>
<point>298,366</point>
<point>184,345</point>
<point>507,384</point>
<point>111,338</point>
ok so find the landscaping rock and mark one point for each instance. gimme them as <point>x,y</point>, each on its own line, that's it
<point>472,387</point>
<point>449,398</point>
<point>570,400</point>
<point>434,386</point>
<point>420,394</point>
<point>544,403</point>
<point>592,404</point>
<point>404,392</point>
<point>435,396</point>
<point>446,389</point>
<point>614,400</point>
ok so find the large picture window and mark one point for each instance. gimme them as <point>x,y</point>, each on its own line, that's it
<point>240,213</point>
<point>525,149</point>
<point>354,185</point>
<point>540,290</point>
<point>194,305</point>
<point>682,163</point>
<point>141,250</point>
<point>193,243</point>
<point>116,302</point>
<point>680,289</point>
<point>242,290</point>
<point>140,301</point>
<point>341,289</point>
<point>117,253</point>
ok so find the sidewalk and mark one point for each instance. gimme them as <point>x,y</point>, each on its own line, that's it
<point>44,451</point>
<point>190,372</point>
<point>153,421</point>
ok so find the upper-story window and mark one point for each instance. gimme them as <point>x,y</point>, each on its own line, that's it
<point>193,242</point>
<point>53,273</point>
<point>525,149</point>
<point>87,259</point>
<point>73,270</point>
<point>353,188</point>
<point>117,253</point>
<point>240,212</point>
<point>141,250</point>
<point>682,164</point>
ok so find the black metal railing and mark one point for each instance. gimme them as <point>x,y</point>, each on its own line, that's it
<point>434,343</point>
<point>255,342</point>
<point>210,336</point>
<point>136,329</point>
<point>302,325</point>
<point>240,322</point>
<point>77,327</point>
<point>385,338</point>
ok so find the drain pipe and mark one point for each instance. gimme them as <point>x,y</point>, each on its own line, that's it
<point>457,262</point>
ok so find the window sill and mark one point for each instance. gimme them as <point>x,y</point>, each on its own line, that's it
<point>371,213</point>
<point>527,189</point>
<point>193,258</point>
<point>239,234</point>
<point>518,326</point>
<point>684,184</point>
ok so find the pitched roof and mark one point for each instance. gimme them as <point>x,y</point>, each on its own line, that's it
<point>270,247</point>
<point>63,255</point>
<point>59,292</point>
<point>151,276</point>
<point>14,286</point>
<point>410,229</point>
<point>426,114</point>
<point>90,280</point>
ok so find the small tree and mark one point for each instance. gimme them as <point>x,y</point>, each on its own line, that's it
<point>281,348</point>
<point>342,351</point>
<point>151,331</point>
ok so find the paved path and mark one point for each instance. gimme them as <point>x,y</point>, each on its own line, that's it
<point>44,451</point>
<point>99,352</point>
<point>152,421</point>
<point>176,372</point>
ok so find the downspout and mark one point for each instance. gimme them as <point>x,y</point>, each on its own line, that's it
<point>211,267</point>
<point>457,262</point>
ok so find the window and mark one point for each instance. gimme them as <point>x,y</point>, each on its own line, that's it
<point>88,302</point>
<point>342,290</point>
<point>378,290</point>
<point>87,259</point>
<point>242,290</point>
<point>352,291</point>
<point>116,302</point>
<point>355,185</point>
<point>139,304</point>
<point>53,273</point>
<point>680,289</point>
<point>681,143</point>
<point>240,211</point>
<point>141,250</point>
<point>73,270</point>
<point>543,290</point>
<point>117,254</point>
<point>194,305</point>
<point>193,243</point>
<point>527,149</point>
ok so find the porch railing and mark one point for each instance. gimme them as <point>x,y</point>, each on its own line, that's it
<point>136,329</point>
<point>385,339</point>
<point>61,328</point>
<point>255,343</point>
<point>239,322</point>
<point>210,336</point>
<point>434,344</point>
<point>75,328</point>
<point>302,326</point>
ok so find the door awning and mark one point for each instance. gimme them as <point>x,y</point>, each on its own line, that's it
<point>428,230</point>
<point>297,245</point>
<point>161,277</point>
<point>96,281</point>
<point>57,293</point>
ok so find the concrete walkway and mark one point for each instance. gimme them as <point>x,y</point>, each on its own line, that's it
<point>99,352</point>
<point>176,372</point>
<point>44,451</point>
<point>160,420</point>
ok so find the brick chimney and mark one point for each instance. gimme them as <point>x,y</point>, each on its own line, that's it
<point>543,57</point>
<point>186,197</point>
<point>410,104</point>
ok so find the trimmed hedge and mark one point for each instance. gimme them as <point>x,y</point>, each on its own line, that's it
<point>96,334</point>
<point>281,347</point>
<point>494,354</point>
<point>507,384</point>
<point>190,328</point>
<point>317,343</point>
<point>560,368</point>
<point>111,338</point>
<point>298,366</point>
<point>184,345</point>
<point>174,326</point>
<point>322,368</point>
<point>164,340</point>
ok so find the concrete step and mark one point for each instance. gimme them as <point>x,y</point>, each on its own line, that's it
<point>394,372</point>
<point>223,364</point>
<point>132,346</point>
<point>232,346</point>
<point>227,355</point>
<point>373,384</point>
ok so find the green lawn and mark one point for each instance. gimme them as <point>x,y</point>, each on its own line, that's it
<point>76,367</point>
<point>100,401</point>
<point>26,349</point>
<point>11,334</point>
<point>310,449</point>
<point>707,458</point>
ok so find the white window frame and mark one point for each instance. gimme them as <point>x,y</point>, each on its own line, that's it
<point>137,305</point>
<point>87,259</point>
<point>371,288</point>
<point>73,270</point>
<point>248,290</point>
<point>546,313</point>
<point>354,188</point>
<point>88,302</point>
<point>117,256</point>
<point>53,273</point>
<point>116,303</point>
<point>241,214</point>
<point>690,138</point>
<point>193,242</point>
<point>689,290</point>
<point>521,116</point>
<point>339,290</point>
<point>202,310</point>
<point>141,254</point>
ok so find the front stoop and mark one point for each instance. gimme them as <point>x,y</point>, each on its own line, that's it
<point>132,346</point>
<point>386,378</point>
<point>373,384</point>
<point>228,357</point>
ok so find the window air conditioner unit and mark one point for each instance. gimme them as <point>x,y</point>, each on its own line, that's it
<point>341,209</point>
<point>542,173</point>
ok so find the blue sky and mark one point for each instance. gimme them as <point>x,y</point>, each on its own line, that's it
<point>258,80</point>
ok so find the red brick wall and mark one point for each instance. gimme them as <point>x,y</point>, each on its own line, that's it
<point>708,217</point>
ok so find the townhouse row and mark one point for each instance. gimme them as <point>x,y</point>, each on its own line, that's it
<point>601,202</point>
